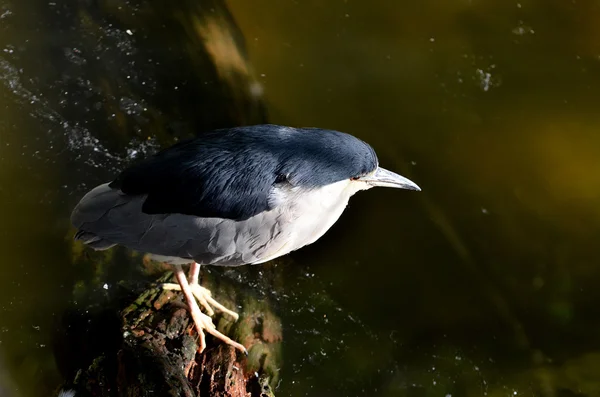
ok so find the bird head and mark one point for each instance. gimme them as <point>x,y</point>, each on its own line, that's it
<point>312,157</point>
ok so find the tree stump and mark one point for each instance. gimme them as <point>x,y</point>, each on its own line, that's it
<point>146,345</point>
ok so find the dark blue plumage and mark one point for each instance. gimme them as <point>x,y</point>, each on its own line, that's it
<point>202,176</point>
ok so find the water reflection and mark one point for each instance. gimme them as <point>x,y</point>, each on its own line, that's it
<point>484,284</point>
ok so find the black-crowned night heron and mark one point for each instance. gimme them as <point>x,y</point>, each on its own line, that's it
<point>231,197</point>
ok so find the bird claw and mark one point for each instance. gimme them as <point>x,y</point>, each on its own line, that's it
<point>204,298</point>
<point>204,321</point>
<point>198,291</point>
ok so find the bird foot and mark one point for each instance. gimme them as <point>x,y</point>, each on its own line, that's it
<point>203,322</point>
<point>204,297</point>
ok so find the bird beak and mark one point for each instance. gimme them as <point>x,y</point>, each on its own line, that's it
<point>384,178</point>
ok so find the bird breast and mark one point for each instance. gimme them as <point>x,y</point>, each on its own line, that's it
<point>304,215</point>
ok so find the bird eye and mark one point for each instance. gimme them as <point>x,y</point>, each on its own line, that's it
<point>355,178</point>
<point>280,178</point>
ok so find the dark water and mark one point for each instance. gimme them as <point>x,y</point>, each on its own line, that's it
<point>485,283</point>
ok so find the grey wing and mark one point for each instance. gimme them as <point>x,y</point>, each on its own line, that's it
<point>226,242</point>
<point>106,217</point>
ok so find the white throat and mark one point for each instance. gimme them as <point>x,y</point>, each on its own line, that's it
<point>314,211</point>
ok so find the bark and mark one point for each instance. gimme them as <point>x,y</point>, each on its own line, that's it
<point>154,349</point>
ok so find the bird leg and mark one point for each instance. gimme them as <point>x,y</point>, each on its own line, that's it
<point>201,320</point>
<point>194,274</point>
<point>203,295</point>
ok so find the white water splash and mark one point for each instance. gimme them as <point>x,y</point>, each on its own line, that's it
<point>78,139</point>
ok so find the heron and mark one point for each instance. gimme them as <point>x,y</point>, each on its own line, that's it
<point>230,197</point>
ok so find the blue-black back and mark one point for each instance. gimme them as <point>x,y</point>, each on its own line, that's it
<point>229,173</point>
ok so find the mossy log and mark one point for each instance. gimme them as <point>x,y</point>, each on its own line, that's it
<point>150,348</point>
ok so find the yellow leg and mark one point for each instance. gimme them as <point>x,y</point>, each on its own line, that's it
<point>201,320</point>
